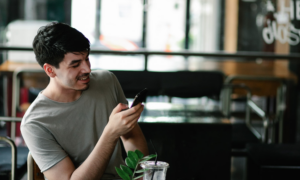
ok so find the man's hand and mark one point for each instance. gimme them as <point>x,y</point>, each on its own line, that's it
<point>122,122</point>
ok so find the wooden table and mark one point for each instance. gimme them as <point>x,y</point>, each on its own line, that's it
<point>264,69</point>
<point>9,66</point>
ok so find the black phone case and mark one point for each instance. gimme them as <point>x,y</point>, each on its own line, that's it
<point>140,97</point>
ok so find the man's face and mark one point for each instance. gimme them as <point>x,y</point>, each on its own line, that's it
<point>74,71</point>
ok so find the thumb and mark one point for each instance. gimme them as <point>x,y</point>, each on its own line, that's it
<point>119,108</point>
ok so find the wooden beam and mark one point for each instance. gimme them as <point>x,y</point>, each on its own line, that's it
<point>231,25</point>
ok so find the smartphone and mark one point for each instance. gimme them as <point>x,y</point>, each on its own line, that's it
<point>140,97</point>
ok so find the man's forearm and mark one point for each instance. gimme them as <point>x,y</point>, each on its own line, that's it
<point>94,166</point>
<point>120,124</point>
<point>135,140</point>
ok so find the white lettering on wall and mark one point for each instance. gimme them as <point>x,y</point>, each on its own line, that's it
<point>292,9</point>
<point>282,33</point>
<point>281,29</point>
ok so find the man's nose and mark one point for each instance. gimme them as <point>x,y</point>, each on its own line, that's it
<point>86,67</point>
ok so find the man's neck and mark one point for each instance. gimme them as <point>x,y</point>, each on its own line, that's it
<point>55,93</point>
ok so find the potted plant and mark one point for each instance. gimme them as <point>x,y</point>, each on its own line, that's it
<point>132,161</point>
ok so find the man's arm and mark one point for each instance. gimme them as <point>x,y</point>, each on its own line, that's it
<point>91,168</point>
<point>120,123</point>
<point>135,139</point>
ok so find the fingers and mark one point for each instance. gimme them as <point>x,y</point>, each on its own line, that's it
<point>125,121</point>
<point>119,108</point>
<point>131,115</point>
<point>133,118</point>
<point>136,109</point>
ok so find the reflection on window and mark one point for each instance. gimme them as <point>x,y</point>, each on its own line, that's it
<point>83,17</point>
<point>205,25</point>
<point>115,62</point>
<point>120,28</point>
<point>166,63</point>
<point>121,24</point>
<point>165,25</point>
<point>166,32</point>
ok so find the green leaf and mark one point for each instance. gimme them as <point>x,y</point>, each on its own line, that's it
<point>133,155</point>
<point>130,162</point>
<point>122,174</point>
<point>141,171</point>
<point>150,156</point>
<point>126,169</point>
<point>139,176</point>
<point>139,153</point>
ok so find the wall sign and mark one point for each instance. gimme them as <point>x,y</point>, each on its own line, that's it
<point>281,28</point>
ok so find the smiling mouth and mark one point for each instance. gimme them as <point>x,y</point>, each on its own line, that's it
<point>84,78</point>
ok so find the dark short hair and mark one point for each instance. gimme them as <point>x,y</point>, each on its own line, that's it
<point>55,40</point>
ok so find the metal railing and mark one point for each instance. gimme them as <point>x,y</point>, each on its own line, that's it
<point>221,56</point>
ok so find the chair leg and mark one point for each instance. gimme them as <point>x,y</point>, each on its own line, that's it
<point>13,156</point>
<point>29,167</point>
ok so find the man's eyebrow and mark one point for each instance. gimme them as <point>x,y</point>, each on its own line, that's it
<point>74,62</point>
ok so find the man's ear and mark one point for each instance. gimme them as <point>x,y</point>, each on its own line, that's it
<point>49,69</point>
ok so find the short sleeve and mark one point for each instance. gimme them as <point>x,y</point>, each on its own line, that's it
<point>119,91</point>
<point>42,145</point>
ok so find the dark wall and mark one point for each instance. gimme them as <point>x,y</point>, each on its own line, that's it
<point>249,34</point>
<point>294,66</point>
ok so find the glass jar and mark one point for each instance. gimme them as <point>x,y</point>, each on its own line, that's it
<point>158,170</point>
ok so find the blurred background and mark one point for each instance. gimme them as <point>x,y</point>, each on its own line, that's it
<point>171,25</point>
<point>249,30</point>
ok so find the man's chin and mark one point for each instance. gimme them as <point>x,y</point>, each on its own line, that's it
<point>86,88</point>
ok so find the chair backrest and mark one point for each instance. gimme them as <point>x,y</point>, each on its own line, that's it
<point>13,155</point>
<point>133,82</point>
<point>179,84</point>
<point>33,171</point>
<point>187,84</point>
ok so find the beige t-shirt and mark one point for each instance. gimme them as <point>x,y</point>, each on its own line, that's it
<point>53,130</point>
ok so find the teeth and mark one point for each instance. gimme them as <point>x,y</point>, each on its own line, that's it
<point>84,78</point>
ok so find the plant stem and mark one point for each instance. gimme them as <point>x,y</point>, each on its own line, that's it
<point>135,169</point>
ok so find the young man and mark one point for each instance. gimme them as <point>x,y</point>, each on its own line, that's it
<point>73,127</point>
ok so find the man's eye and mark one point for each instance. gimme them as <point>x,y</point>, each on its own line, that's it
<point>76,66</point>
